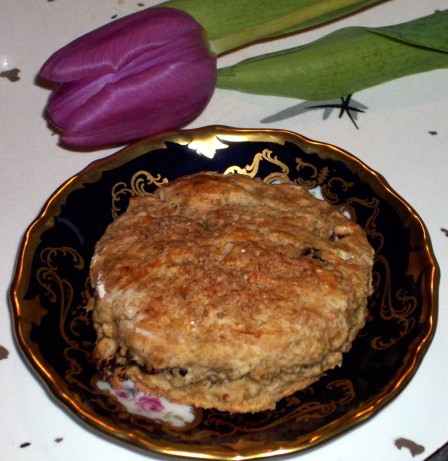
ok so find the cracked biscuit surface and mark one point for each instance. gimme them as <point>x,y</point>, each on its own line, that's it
<point>224,292</point>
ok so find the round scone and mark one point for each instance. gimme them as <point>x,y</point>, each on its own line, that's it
<point>224,292</point>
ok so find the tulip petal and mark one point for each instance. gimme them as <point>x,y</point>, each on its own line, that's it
<point>141,99</point>
<point>67,98</point>
<point>113,46</point>
<point>137,109</point>
<point>146,73</point>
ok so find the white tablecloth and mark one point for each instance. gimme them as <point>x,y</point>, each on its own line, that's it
<point>403,135</point>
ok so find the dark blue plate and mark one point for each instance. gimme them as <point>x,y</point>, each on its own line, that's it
<point>55,333</point>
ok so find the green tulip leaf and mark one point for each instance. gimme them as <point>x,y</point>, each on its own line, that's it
<point>234,23</point>
<point>344,62</point>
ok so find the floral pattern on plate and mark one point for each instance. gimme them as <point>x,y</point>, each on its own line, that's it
<point>150,406</point>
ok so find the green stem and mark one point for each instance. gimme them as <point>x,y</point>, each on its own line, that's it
<point>300,18</point>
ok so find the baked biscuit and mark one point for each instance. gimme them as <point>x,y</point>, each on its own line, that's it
<point>224,292</point>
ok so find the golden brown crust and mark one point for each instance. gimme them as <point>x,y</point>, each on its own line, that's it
<point>222,291</point>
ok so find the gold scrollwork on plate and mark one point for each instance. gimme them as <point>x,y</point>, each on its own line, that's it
<point>328,189</point>
<point>398,308</point>
<point>315,176</point>
<point>341,391</point>
<point>252,169</point>
<point>59,291</point>
<point>319,178</point>
<point>137,187</point>
<point>370,226</point>
<point>297,410</point>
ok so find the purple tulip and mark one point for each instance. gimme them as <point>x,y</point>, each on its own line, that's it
<point>143,74</point>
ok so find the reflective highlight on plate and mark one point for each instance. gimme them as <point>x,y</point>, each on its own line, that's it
<point>55,332</point>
